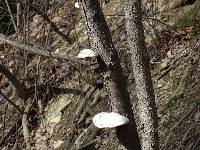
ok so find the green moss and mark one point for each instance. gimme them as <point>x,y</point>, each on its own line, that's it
<point>170,103</point>
<point>196,30</point>
<point>191,18</point>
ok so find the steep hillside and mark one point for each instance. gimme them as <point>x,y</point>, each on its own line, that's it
<point>68,91</point>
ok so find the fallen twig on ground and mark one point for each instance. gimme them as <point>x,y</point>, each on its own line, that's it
<point>83,103</point>
<point>91,131</point>
<point>70,135</point>
<point>163,73</point>
<point>176,125</point>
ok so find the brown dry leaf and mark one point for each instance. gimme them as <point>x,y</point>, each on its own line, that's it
<point>189,29</point>
<point>56,19</point>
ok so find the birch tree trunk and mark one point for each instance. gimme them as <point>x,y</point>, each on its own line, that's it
<point>140,61</point>
<point>101,42</point>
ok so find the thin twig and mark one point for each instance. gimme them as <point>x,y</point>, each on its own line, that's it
<point>19,13</point>
<point>83,103</point>
<point>145,17</point>
<point>26,34</point>
<point>155,19</point>
<point>164,72</point>
<point>54,27</point>
<point>11,16</point>
<point>11,102</point>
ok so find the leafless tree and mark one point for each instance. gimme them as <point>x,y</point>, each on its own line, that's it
<point>140,62</point>
<point>101,42</point>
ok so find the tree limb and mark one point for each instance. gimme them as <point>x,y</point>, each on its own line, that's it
<point>15,83</point>
<point>41,52</point>
<point>11,102</point>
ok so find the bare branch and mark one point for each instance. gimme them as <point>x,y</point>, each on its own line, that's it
<point>41,52</point>
<point>15,83</point>
<point>11,102</point>
<point>11,16</point>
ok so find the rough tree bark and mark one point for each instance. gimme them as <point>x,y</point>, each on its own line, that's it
<point>140,61</point>
<point>101,42</point>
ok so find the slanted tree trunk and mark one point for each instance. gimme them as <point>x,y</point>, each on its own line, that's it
<point>140,61</point>
<point>101,42</point>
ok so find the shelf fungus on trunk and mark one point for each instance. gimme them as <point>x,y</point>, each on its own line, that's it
<point>77,5</point>
<point>87,53</point>
<point>109,120</point>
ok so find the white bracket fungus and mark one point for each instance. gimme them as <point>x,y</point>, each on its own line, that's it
<point>77,5</point>
<point>85,53</point>
<point>109,120</point>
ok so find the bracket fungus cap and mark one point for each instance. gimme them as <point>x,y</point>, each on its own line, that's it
<point>109,120</point>
<point>86,53</point>
<point>77,5</point>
